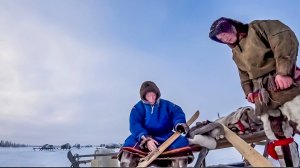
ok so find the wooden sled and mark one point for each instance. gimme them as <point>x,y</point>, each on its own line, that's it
<point>256,138</point>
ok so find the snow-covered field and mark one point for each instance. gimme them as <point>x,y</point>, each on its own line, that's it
<point>27,157</point>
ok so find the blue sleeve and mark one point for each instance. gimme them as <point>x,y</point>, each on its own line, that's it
<point>137,120</point>
<point>178,115</point>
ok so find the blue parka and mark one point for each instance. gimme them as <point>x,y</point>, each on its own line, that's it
<point>157,121</point>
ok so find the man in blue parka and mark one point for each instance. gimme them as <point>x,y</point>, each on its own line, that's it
<point>153,119</point>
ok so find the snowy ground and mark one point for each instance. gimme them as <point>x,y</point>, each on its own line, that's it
<point>27,157</point>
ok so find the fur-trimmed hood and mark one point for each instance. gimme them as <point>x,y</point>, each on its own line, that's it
<point>149,86</point>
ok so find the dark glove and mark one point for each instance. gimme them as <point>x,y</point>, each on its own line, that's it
<point>182,128</point>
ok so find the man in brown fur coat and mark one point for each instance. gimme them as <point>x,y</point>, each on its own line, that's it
<point>265,52</point>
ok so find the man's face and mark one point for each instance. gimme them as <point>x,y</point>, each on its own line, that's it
<point>228,37</point>
<point>151,97</point>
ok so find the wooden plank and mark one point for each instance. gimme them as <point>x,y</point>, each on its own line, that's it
<point>249,153</point>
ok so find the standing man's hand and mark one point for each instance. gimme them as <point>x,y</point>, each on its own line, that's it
<point>250,97</point>
<point>283,81</point>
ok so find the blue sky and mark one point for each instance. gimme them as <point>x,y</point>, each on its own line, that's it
<point>70,71</point>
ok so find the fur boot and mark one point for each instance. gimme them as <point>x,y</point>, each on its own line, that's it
<point>291,110</point>
<point>280,133</point>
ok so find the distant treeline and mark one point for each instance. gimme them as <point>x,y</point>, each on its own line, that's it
<point>11,144</point>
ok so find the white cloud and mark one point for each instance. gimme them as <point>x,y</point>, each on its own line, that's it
<point>51,80</point>
<point>43,67</point>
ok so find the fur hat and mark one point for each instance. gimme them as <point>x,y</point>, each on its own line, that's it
<point>221,25</point>
<point>149,86</point>
<point>224,25</point>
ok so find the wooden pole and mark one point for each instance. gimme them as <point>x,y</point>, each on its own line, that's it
<point>249,153</point>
